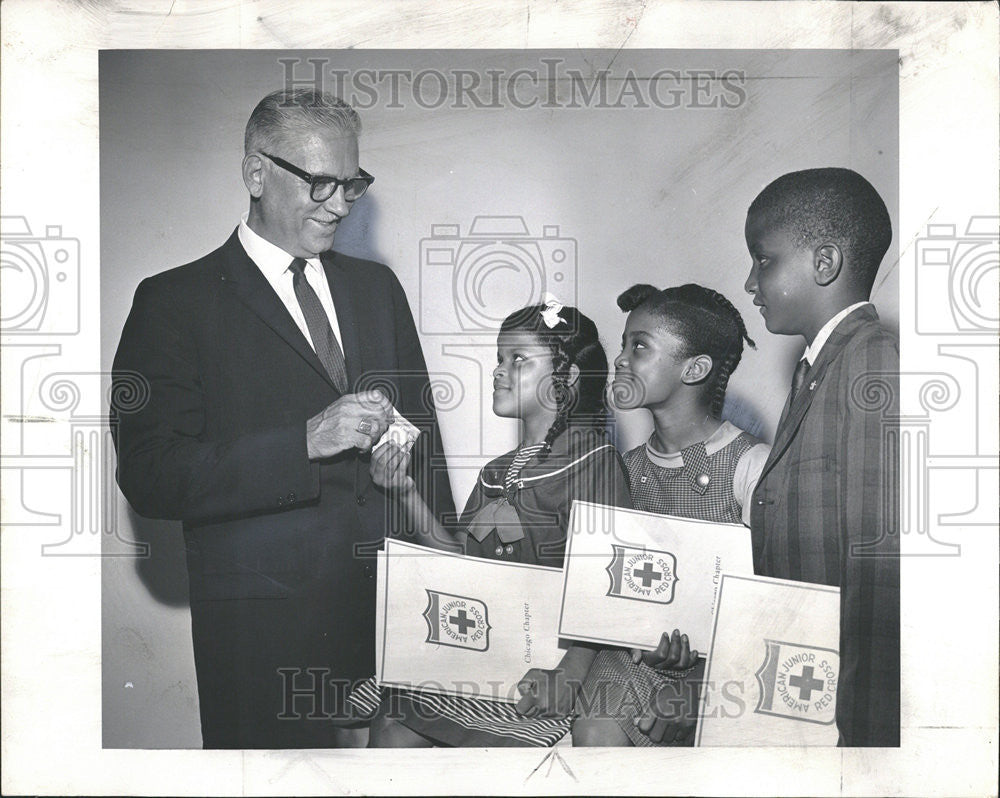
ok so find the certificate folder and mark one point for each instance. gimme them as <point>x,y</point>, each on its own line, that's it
<point>773,665</point>
<point>461,625</point>
<point>631,575</point>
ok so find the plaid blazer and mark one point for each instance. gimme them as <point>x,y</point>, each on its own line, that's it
<point>826,510</point>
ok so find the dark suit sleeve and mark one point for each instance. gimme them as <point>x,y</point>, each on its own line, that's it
<point>428,466</point>
<point>165,467</point>
<point>868,701</point>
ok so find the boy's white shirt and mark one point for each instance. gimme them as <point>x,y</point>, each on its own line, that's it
<point>813,350</point>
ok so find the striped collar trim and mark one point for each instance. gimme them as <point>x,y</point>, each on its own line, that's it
<point>523,481</point>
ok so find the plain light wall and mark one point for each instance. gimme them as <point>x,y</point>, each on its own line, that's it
<point>656,195</point>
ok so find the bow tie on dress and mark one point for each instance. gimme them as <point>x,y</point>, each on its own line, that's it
<point>500,515</point>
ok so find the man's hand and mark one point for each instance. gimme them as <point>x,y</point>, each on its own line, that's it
<point>388,468</point>
<point>672,714</point>
<point>673,653</point>
<point>355,420</point>
<point>546,694</point>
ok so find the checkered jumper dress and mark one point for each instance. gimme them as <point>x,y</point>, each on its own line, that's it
<point>702,488</point>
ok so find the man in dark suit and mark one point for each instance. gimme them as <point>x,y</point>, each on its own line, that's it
<point>825,508</point>
<point>261,360</point>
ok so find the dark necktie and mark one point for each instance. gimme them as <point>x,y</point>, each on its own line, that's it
<point>798,377</point>
<point>324,341</point>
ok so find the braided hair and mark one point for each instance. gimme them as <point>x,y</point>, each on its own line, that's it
<point>707,324</point>
<point>573,341</point>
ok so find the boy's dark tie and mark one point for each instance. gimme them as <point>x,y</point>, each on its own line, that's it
<point>798,377</point>
<point>327,348</point>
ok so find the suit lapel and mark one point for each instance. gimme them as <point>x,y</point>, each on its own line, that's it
<point>344,302</point>
<point>795,410</point>
<point>254,291</point>
<point>787,407</point>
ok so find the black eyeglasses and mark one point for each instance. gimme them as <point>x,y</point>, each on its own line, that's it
<point>322,187</point>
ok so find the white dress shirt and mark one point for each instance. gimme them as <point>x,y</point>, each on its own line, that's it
<point>812,351</point>
<point>274,264</point>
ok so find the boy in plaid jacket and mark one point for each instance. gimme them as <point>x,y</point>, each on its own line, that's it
<point>826,507</point>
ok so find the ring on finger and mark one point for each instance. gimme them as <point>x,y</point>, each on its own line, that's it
<point>366,426</point>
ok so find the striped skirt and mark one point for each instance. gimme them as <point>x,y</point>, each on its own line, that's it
<point>460,721</point>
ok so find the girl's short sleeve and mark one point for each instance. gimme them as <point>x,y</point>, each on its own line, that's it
<point>747,475</point>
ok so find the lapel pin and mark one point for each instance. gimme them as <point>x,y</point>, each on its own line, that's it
<point>812,385</point>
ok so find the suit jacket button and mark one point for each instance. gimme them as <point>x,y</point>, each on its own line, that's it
<point>509,549</point>
<point>362,500</point>
<point>499,551</point>
<point>369,572</point>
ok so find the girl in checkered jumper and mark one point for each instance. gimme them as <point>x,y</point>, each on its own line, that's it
<point>551,375</point>
<point>679,348</point>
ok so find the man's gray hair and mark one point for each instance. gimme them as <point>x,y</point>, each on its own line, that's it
<point>290,111</point>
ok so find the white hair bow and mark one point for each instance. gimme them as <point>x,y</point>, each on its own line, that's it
<point>550,313</point>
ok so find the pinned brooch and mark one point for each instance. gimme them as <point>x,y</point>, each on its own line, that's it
<point>550,313</point>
